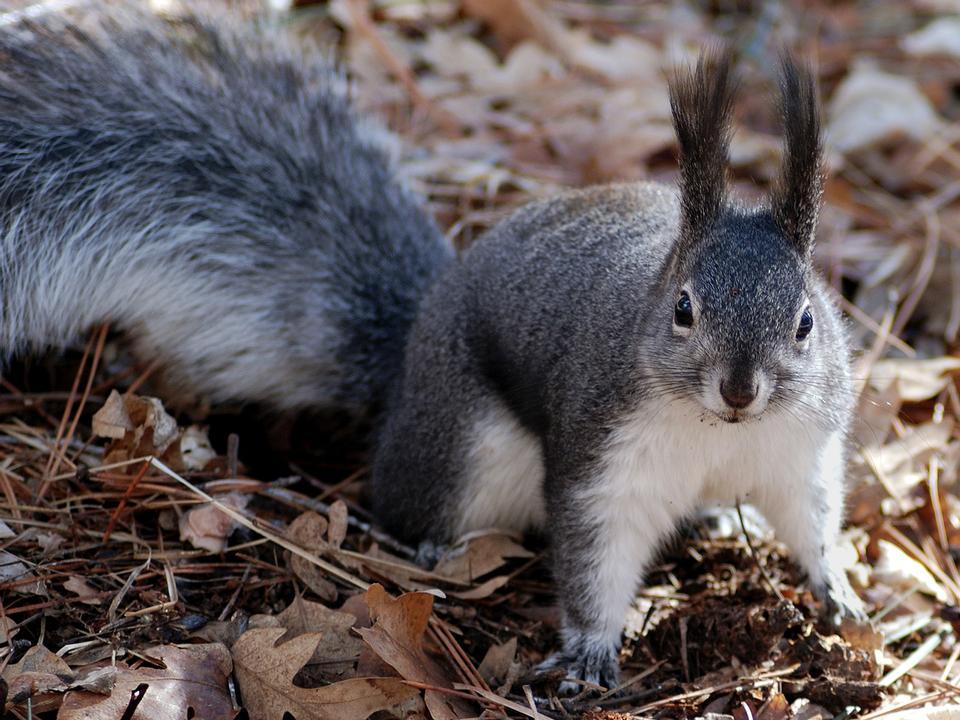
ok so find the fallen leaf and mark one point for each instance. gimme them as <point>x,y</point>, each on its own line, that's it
<point>83,590</point>
<point>265,673</point>
<point>207,527</point>
<point>871,106</point>
<point>941,37</point>
<point>308,531</point>
<point>397,639</point>
<point>914,380</point>
<point>112,420</point>
<point>900,457</point>
<point>337,517</point>
<point>193,676</point>
<point>338,650</point>
<point>478,555</point>
<point>195,448</point>
<point>496,663</point>
<point>483,590</point>
<point>39,671</point>
<point>15,573</point>
<point>513,21</point>
<point>901,572</point>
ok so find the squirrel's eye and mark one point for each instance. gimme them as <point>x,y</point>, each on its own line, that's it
<point>805,326</point>
<point>683,312</point>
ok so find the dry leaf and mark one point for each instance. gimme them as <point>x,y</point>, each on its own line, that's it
<point>871,106</point>
<point>141,426</point>
<point>207,527</point>
<point>307,531</point>
<point>915,380</point>
<point>479,555</point>
<point>83,590</point>
<point>483,590</point>
<point>513,21</point>
<point>397,639</point>
<point>338,651</point>
<point>941,37</point>
<point>193,676</point>
<point>15,572</point>
<point>900,458</point>
<point>39,671</point>
<point>112,420</point>
<point>337,517</point>
<point>901,572</point>
<point>265,673</point>
<point>496,663</point>
<point>195,448</point>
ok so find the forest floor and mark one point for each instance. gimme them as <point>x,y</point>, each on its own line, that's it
<point>152,562</point>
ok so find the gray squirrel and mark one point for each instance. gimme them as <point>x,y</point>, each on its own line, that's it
<point>598,365</point>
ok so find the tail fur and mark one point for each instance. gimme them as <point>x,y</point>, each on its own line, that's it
<point>210,192</point>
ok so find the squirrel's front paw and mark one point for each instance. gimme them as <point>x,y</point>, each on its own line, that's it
<point>583,668</point>
<point>840,602</point>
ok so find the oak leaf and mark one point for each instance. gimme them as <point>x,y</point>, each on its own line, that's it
<point>265,672</point>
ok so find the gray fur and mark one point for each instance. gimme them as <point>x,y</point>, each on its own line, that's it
<point>208,190</point>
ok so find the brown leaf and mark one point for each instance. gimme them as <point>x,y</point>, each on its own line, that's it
<point>39,671</point>
<point>496,663</point>
<point>141,426</point>
<point>513,21</point>
<point>265,673</point>
<point>338,651</point>
<point>397,638</point>
<point>776,708</point>
<point>308,531</point>
<point>483,590</point>
<point>83,590</point>
<point>193,676</point>
<point>112,420</point>
<point>480,555</point>
<point>871,107</point>
<point>207,527</point>
<point>337,530</point>
<point>915,380</point>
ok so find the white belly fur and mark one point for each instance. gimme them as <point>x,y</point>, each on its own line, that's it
<point>504,487</point>
<point>670,460</point>
<point>659,467</point>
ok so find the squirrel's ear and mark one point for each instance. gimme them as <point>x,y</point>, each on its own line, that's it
<point>796,197</point>
<point>701,101</point>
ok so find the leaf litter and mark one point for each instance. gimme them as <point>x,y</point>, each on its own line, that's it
<point>144,565</point>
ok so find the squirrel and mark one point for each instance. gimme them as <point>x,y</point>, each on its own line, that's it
<point>597,365</point>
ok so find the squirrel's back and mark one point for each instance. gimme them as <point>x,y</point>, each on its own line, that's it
<point>209,190</point>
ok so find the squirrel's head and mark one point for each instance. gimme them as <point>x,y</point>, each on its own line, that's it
<point>739,284</point>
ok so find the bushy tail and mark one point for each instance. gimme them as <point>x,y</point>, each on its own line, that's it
<point>210,192</point>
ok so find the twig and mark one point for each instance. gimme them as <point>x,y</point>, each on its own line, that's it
<point>914,658</point>
<point>756,557</point>
<point>737,685</point>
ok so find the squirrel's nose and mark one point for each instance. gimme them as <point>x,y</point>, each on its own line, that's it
<point>736,395</point>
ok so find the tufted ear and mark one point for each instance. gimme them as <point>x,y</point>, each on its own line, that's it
<point>701,101</point>
<point>797,194</point>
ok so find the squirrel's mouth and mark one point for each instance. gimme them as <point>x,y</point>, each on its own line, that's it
<point>733,417</point>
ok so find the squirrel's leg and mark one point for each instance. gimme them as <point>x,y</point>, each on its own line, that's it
<point>805,507</point>
<point>604,534</point>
